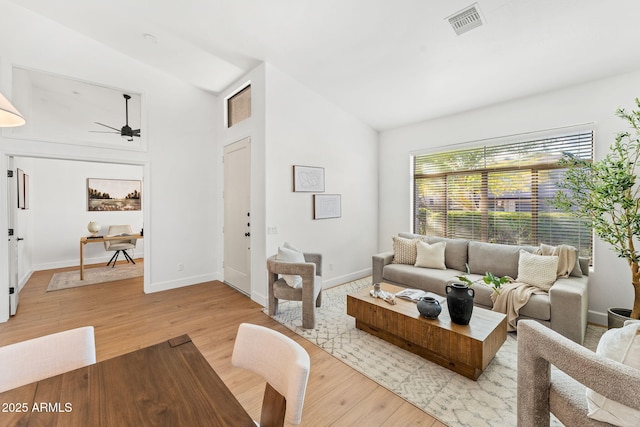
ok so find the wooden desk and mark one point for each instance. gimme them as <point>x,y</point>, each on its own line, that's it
<point>101,239</point>
<point>168,384</point>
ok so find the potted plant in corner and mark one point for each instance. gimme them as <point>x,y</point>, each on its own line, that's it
<point>606,194</point>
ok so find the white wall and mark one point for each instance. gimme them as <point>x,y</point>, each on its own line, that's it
<point>610,281</point>
<point>303,128</point>
<point>59,214</point>
<point>291,125</point>
<point>180,210</point>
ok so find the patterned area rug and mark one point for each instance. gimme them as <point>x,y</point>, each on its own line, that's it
<point>447,396</point>
<point>71,279</point>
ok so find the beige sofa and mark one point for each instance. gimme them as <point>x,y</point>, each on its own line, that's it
<point>563,308</point>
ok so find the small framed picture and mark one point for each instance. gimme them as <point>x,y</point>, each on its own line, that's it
<point>26,191</point>
<point>308,179</point>
<point>327,206</point>
<point>21,200</point>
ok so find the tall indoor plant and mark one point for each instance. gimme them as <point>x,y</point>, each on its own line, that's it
<point>606,193</point>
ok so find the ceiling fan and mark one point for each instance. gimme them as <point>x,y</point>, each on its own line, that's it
<point>125,131</point>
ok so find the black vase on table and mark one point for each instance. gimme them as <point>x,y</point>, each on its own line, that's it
<point>460,303</point>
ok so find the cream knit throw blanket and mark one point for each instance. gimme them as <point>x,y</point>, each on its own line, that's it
<point>515,295</point>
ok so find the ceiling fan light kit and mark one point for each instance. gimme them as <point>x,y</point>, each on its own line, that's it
<point>126,131</point>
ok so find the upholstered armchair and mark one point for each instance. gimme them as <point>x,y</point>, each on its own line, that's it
<point>310,293</point>
<point>562,391</point>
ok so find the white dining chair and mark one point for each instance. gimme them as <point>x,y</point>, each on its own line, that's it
<point>283,363</point>
<point>43,357</point>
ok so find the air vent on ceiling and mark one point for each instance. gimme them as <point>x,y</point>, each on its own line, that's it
<point>467,19</point>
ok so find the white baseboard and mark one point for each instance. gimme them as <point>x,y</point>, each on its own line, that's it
<point>76,262</point>
<point>339,280</point>
<point>598,318</point>
<point>180,283</point>
<point>24,279</point>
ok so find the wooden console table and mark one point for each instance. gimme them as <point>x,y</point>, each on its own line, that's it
<point>100,239</point>
<point>168,384</point>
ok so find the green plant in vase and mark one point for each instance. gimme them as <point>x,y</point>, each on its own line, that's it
<point>489,278</point>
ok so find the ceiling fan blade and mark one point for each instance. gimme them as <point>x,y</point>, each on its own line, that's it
<point>107,126</point>
<point>103,131</point>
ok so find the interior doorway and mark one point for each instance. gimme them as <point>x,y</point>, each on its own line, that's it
<point>47,233</point>
<point>237,215</point>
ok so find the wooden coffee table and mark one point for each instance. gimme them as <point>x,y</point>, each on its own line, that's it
<point>465,349</point>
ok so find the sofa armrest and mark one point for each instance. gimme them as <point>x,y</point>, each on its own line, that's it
<point>378,263</point>
<point>569,300</point>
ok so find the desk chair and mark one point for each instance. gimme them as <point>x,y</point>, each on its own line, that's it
<point>119,245</point>
<point>283,363</point>
<point>43,357</point>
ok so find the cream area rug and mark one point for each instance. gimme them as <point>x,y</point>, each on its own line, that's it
<point>447,396</point>
<point>71,279</point>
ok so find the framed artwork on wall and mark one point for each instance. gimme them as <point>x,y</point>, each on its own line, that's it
<point>327,206</point>
<point>21,194</point>
<point>308,179</point>
<point>26,191</point>
<point>114,194</point>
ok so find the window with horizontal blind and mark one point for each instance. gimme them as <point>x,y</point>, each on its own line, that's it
<point>500,193</point>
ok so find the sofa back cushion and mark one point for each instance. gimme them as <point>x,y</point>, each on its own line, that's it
<point>496,258</point>
<point>455,251</point>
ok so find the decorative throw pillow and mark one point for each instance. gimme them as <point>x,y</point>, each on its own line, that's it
<point>621,345</point>
<point>537,270</point>
<point>286,254</point>
<point>566,253</point>
<point>430,256</point>
<point>404,250</point>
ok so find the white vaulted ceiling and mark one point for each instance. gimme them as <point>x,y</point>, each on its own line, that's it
<point>387,62</point>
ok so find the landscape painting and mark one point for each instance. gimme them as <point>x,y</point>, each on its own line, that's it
<point>114,194</point>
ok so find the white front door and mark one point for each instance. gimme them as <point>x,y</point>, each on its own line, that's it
<point>237,215</point>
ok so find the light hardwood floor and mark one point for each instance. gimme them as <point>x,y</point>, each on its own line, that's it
<point>126,319</point>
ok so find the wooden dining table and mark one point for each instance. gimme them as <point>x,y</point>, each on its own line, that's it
<point>167,384</point>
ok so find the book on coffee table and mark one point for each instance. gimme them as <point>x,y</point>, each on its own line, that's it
<point>415,295</point>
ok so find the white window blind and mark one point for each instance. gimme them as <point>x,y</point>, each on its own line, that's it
<point>500,193</point>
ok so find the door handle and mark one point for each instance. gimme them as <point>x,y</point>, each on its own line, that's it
<point>247,234</point>
<point>20,238</point>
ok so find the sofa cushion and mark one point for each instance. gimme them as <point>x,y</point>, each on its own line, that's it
<point>455,252</point>
<point>431,256</point>
<point>537,270</point>
<point>496,258</point>
<point>538,307</point>
<point>419,278</point>
<point>404,250</point>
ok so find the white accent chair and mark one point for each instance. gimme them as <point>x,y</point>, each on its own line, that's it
<point>119,245</point>
<point>283,363</point>
<point>43,357</point>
